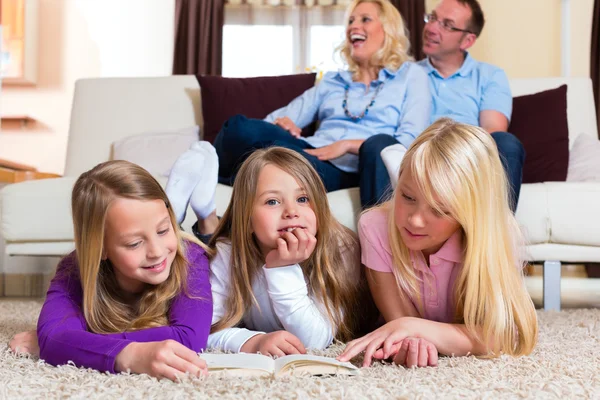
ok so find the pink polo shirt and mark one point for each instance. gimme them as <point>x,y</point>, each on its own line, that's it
<point>437,281</point>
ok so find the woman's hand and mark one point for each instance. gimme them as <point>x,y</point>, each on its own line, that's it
<point>289,126</point>
<point>331,151</point>
<point>166,359</point>
<point>25,343</point>
<point>279,344</point>
<point>292,248</point>
<point>381,343</point>
<point>416,352</point>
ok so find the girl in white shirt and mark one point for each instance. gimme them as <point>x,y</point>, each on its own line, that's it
<point>285,274</point>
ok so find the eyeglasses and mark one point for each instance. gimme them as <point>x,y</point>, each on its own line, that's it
<point>444,23</point>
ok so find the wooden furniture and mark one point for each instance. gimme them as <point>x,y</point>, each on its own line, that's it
<point>13,172</point>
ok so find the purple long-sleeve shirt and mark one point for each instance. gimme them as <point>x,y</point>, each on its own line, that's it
<point>62,330</point>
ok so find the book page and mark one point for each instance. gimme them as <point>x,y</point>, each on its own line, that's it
<point>314,365</point>
<point>239,364</point>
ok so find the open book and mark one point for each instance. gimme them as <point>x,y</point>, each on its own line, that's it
<point>244,364</point>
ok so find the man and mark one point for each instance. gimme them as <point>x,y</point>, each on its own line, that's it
<point>467,90</point>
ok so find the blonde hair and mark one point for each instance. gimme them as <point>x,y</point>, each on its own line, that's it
<point>396,45</point>
<point>104,308</point>
<point>457,168</point>
<point>331,270</point>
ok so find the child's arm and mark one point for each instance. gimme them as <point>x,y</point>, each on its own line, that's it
<point>295,309</point>
<point>229,339</point>
<point>386,294</point>
<point>189,317</point>
<point>62,331</point>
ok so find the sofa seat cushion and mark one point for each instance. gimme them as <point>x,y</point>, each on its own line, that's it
<point>573,212</point>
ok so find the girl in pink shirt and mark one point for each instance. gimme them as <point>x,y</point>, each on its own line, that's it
<point>451,244</point>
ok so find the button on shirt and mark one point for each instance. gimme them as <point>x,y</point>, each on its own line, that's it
<point>437,301</point>
<point>402,109</point>
<point>475,87</point>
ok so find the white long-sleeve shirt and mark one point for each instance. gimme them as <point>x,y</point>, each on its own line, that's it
<point>285,304</point>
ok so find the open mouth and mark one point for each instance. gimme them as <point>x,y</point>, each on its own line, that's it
<point>157,267</point>
<point>357,38</point>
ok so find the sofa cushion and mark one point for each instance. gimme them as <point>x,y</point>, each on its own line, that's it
<point>539,120</point>
<point>222,98</point>
<point>584,160</point>
<point>155,151</point>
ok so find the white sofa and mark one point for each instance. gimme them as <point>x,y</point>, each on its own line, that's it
<point>561,219</point>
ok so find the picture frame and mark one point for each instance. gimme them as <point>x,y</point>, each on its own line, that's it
<point>19,42</point>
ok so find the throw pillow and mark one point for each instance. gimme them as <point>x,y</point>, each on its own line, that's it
<point>540,122</point>
<point>584,160</point>
<point>155,151</point>
<point>222,98</point>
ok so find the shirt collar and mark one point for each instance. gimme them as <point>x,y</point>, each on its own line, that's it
<point>464,70</point>
<point>452,250</point>
<point>384,74</point>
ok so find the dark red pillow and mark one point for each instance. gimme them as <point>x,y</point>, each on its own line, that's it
<point>540,122</point>
<point>222,98</point>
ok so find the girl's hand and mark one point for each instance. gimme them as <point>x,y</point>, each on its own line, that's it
<point>416,352</point>
<point>166,359</point>
<point>381,343</point>
<point>289,126</point>
<point>25,343</point>
<point>279,344</point>
<point>292,248</point>
<point>331,151</point>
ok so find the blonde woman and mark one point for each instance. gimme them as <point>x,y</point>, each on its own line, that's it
<point>285,274</point>
<point>443,256</point>
<point>381,99</point>
<point>134,295</point>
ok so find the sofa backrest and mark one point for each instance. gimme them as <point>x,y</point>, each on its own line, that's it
<point>581,112</point>
<point>108,109</point>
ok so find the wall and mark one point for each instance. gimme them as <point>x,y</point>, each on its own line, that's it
<point>524,36</point>
<point>83,39</point>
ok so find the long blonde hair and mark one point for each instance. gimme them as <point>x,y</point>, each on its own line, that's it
<point>330,270</point>
<point>457,168</point>
<point>396,45</point>
<point>104,308</point>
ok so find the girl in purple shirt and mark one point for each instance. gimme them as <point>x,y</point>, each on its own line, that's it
<point>444,256</point>
<point>134,295</point>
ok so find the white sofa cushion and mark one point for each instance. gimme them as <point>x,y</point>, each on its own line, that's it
<point>155,151</point>
<point>584,160</point>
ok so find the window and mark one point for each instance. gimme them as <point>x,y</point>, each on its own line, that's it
<point>262,40</point>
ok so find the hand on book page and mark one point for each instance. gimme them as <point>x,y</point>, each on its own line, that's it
<point>243,364</point>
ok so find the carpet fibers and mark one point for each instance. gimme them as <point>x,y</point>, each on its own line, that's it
<point>565,364</point>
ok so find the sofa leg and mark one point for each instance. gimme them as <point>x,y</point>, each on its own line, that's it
<point>552,285</point>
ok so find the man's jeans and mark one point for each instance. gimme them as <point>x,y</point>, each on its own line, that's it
<point>512,155</point>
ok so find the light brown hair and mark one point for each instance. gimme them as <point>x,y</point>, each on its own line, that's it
<point>333,271</point>
<point>104,308</point>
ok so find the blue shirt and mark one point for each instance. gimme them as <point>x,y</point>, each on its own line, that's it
<point>401,109</point>
<point>475,87</point>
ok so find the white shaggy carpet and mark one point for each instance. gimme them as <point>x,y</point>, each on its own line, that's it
<point>566,364</point>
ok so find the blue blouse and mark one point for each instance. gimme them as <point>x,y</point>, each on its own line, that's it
<point>402,108</point>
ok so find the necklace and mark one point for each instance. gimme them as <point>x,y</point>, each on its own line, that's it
<point>357,118</point>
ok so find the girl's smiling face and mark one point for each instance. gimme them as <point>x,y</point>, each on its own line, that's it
<point>140,242</point>
<point>421,227</point>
